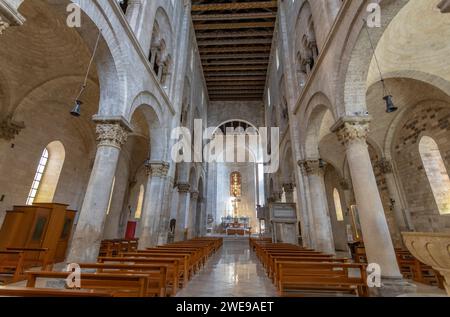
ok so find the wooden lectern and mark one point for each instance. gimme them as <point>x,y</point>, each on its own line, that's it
<point>42,231</point>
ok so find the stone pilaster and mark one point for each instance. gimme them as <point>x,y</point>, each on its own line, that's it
<point>151,212</point>
<point>321,222</point>
<point>89,230</point>
<point>192,214</point>
<point>182,210</point>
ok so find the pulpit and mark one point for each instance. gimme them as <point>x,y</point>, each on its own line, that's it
<point>38,227</point>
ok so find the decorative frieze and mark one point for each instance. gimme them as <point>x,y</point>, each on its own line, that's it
<point>111,134</point>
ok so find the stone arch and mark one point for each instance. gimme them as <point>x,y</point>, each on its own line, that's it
<point>357,55</point>
<point>146,106</point>
<point>109,59</point>
<point>318,119</point>
<point>61,89</point>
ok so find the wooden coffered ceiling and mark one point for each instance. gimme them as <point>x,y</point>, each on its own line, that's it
<point>234,39</point>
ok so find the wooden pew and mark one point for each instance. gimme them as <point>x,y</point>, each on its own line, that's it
<point>119,285</point>
<point>49,292</point>
<point>35,257</point>
<point>174,267</point>
<point>321,277</point>
<point>157,274</point>
<point>184,258</point>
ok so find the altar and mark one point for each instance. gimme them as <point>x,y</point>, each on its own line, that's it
<point>236,226</point>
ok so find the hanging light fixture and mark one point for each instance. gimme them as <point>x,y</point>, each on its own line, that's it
<point>388,99</point>
<point>76,111</point>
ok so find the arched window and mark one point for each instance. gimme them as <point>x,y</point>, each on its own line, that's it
<point>111,195</point>
<point>338,205</point>
<point>47,174</point>
<point>140,202</point>
<point>436,172</point>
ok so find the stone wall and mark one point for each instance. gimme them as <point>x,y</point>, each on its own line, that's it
<point>431,118</point>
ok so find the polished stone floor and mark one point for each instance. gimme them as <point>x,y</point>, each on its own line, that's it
<point>234,271</point>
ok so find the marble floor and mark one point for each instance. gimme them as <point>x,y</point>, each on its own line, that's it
<point>234,271</point>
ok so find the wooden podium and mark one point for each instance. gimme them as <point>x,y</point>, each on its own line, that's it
<point>40,226</point>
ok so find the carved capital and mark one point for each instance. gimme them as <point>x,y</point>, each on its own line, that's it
<point>288,187</point>
<point>111,134</point>
<point>183,187</point>
<point>384,165</point>
<point>10,128</point>
<point>194,195</point>
<point>352,129</point>
<point>312,167</point>
<point>157,169</point>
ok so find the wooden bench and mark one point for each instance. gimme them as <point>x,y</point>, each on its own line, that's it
<point>321,277</point>
<point>157,274</point>
<point>174,266</point>
<point>49,292</point>
<point>35,257</point>
<point>117,284</point>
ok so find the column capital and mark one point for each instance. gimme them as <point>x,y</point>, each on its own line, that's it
<point>9,15</point>
<point>312,167</point>
<point>350,129</point>
<point>157,168</point>
<point>384,165</point>
<point>10,128</point>
<point>288,187</point>
<point>195,195</point>
<point>111,134</point>
<point>183,187</point>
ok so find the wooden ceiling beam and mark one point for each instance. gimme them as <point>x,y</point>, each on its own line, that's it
<point>218,35</point>
<point>240,78</point>
<point>234,56</point>
<point>265,48</point>
<point>233,68</point>
<point>238,83</point>
<point>235,6</point>
<point>236,16</point>
<point>236,74</point>
<point>237,62</point>
<point>234,42</point>
<point>230,26</point>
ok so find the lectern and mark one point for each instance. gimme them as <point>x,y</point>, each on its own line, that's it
<point>40,226</point>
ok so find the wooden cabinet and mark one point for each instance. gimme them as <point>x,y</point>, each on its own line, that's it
<point>41,226</point>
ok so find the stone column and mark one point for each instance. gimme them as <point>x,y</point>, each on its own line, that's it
<point>203,217</point>
<point>89,230</point>
<point>289,192</point>
<point>151,211</point>
<point>352,132</point>
<point>182,210</point>
<point>9,14</point>
<point>320,215</point>
<point>385,167</point>
<point>192,214</point>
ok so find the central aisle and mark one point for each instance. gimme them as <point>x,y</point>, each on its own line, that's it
<point>234,271</point>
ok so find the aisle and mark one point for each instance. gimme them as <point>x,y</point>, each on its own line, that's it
<point>234,271</point>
